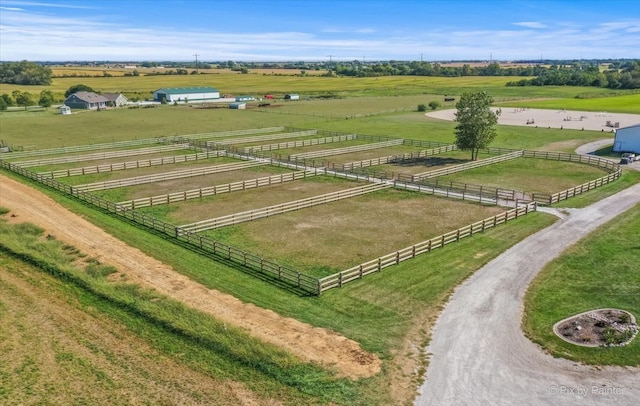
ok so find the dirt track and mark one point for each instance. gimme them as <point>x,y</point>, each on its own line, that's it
<point>307,342</point>
<point>479,353</point>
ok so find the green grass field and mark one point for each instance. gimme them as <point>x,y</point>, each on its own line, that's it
<point>390,313</point>
<point>599,272</point>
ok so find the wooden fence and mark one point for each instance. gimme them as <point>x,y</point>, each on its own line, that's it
<point>213,190</point>
<point>258,138</point>
<point>159,177</point>
<point>345,150</point>
<point>542,198</point>
<point>358,272</point>
<point>86,170</point>
<point>466,166</point>
<point>270,269</point>
<point>103,155</point>
<point>394,158</point>
<point>301,143</point>
<point>220,134</point>
<point>79,148</point>
<point>251,215</point>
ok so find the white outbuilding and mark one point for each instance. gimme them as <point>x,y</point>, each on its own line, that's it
<point>627,139</point>
<point>187,94</point>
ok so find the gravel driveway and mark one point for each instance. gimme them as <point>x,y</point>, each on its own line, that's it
<point>479,353</point>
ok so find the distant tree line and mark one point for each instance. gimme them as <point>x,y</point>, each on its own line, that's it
<point>625,76</point>
<point>24,73</point>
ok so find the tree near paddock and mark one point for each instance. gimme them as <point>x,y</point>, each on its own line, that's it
<point>24,99</point>
<point>476,121</point>
<point>46,98</point>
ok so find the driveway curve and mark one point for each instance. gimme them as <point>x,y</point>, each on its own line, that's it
<point>479,355</point>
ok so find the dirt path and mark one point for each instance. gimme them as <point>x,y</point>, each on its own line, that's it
<point>307,342</point>
<point>480,355</point>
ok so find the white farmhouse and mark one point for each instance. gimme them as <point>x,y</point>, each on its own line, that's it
<point>186,94</point>
<point>627,139</point>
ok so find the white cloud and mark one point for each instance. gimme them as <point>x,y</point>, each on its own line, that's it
<point>530,24</point>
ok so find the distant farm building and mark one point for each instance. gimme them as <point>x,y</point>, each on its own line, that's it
<point>87,101</point>
<point>268,96</point>
<point>245,98</point>
<point>292,96</point>
<point>186,94</point>
<point>116,99</point>
<point>627,139</point>
<point>238,106</point>
<point>64,110</point>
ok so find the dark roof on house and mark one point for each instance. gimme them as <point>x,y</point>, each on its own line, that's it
<point>89,97</point>
<point>183,90</point>
<point>112,96</point>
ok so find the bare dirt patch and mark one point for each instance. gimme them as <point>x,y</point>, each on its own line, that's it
<point>310,343</point>
<point>598,328</point>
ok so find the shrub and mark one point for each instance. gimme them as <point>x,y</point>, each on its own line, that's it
<point>422,107</point>
<point>434,104</point>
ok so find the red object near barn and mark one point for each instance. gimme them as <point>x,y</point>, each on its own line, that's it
<point>268,96</point>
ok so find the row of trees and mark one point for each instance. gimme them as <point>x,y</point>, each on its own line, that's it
<point>24,73</point>
<point>26,99</point>
<point>625,77</point>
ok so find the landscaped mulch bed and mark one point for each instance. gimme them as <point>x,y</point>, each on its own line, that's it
<point>598,328</point>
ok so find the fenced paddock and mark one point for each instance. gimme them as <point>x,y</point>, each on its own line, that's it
<point>256,214</point>
<point>213,190</point>
<point>259,138</point>
<point>161,177</point>
<point>342,222</point>
<point>102,155</point>
<point>394,258</point>
<point>145,163</point>
<point>297,144</point>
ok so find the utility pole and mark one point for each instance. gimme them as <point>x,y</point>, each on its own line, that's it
<point>197,71</point>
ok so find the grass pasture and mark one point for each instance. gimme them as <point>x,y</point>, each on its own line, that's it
<point>390,313</point>
<point>329,238</point>
<point>529,175</point>
<point>599,272</point>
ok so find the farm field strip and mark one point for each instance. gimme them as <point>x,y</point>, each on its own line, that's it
<point>102,155</point>
<point>295,205</point>
<point>345,150</point>
<point>259,138</point>
<point>117,166</point>
<point>295,144</point>
<point>159,177</point>
<point>213,190</point>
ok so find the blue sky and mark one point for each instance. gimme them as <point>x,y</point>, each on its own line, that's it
<point>292,30</point>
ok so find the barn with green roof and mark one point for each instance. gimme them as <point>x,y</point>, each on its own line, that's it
<point>186,94</point>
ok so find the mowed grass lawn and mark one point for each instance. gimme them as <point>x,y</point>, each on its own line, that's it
<point>531,175</point>
<point>601,271</point>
